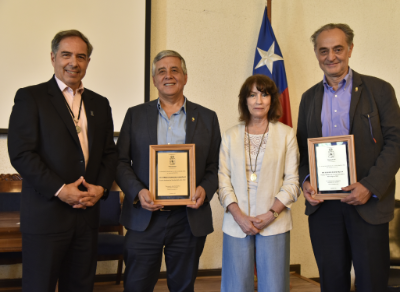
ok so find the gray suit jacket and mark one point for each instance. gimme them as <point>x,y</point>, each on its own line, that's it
<point>138,131</point>
<point>377,163</point>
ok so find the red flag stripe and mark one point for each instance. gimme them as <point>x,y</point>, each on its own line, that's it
<point>286,114</point>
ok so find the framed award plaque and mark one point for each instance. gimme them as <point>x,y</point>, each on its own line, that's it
<point>173,174</point>
<point>332,166</point>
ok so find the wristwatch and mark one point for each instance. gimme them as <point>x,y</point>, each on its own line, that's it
<point>106,192</point>
<point>275,213</point>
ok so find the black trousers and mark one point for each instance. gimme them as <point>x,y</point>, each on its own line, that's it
<point>339,236</point>
<point>168,231</point>
<point>69,257</point>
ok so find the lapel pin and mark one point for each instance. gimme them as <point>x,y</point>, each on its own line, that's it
<point>91,113</point>
<point>192,119</point>
<point>356,89</point>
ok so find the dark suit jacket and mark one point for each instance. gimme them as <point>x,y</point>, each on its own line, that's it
<point>44,148</point>
<point>138,131</point>
<point>376,163</point>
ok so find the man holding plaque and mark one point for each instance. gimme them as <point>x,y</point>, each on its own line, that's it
<point>355,228</point>
<point>178,230</point>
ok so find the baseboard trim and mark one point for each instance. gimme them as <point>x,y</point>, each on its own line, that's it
<point>315,279</point>
<point>296,268</point>
<point>9,283</point>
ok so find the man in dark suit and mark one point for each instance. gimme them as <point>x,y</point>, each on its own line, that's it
<point>61,141</point>
<point>179,231</point>
<point>354,229</point>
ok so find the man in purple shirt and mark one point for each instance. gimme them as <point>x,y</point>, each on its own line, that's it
<point>354,229</point>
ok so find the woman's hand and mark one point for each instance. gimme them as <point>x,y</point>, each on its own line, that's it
<point>268,217</point>
<point>265,219</point>
<point>246,223</point>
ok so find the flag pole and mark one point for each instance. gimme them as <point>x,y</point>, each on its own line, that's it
<point>265,50</point>
<point>269,5</point>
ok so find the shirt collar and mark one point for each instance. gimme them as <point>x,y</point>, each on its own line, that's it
<point>343,83</point>
<point>183,108</point>
<point>62,86</point>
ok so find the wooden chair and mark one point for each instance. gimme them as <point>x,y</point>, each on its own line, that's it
<point>10,183</point>
<point>111,245</point>
<point>10,237</point>
<point>394,245</point>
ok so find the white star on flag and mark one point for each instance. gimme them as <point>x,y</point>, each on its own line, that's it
<point>268,58</point>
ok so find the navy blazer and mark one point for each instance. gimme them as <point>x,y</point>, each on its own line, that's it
<point>138,132</point>
<point>373,103</point>
<point>44,148</point>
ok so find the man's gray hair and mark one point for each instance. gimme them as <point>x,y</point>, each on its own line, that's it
<point>348,32</point>
<point>168,53</point>
<point>55,43</point>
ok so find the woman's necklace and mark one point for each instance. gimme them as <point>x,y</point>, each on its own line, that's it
<point>78,129</point>
<point>253,176</point>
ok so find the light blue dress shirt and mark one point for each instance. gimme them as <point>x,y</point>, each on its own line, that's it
<point>335,117</point>
<point>172,130</point>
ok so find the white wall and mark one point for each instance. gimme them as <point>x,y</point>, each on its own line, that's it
<point>218,39</point>
<point>116,30</point>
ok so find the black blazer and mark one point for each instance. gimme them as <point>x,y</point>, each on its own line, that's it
<point>138,131</point>
<point>44,148</point>
<point>377,163</point>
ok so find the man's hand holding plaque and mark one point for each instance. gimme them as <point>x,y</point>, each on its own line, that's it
<point>146,200</point>
<point>199,197</point>
<point>359,194</point>
<point>308,192</point>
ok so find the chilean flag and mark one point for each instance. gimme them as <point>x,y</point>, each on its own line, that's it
<point>269,61</point>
